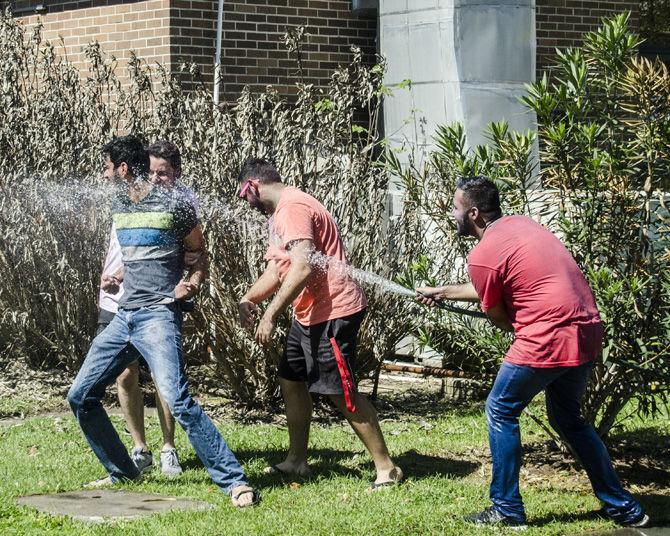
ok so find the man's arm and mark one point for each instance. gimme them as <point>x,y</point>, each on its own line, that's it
<point>112,283</point>
<point>197,274</point>
<point>499,317</point>
<point>264,287</point>
<point>295,281</point>
<point>463,292</point>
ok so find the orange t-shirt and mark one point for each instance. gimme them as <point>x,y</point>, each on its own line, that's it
<point>330,292</point>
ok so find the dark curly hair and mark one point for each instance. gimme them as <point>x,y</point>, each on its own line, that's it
<point>259,169</point>
<point>482,193</point>
<point>166,150</point>
<point>128,149</point>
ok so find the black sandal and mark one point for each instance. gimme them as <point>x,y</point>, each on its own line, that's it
<point>256,497</point>
<point>395,480</point>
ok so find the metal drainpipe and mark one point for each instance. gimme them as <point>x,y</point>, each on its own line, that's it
<point>217,60</point>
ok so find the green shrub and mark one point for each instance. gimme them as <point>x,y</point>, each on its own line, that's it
<point>604,138</point>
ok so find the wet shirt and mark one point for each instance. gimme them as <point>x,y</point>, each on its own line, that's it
<point>114,262</point>
<point>330,291</point>
<point>549,303</point>
<point>151,236</point>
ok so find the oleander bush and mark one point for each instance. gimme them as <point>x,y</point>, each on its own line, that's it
<point>604,137</point>
<point>655,20</point>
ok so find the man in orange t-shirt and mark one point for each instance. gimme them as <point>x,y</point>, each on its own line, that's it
<point>307,267</point>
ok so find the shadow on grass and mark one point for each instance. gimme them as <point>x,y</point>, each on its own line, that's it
<point>417,465</point>
<point>657,507</point>
<point>565,518</point>
<point>640,457</point>
<point>329,462</point>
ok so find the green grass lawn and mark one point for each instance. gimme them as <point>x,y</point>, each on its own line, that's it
<point>442,450</point>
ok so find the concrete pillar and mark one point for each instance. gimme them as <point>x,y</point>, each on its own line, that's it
<point>467,60</point>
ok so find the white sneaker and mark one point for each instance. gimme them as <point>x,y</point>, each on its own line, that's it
<point>142,459</point>
<point>106,482</point>
<point>170,463</point>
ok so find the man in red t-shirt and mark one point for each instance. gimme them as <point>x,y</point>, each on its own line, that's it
<point>527,282</point>
<point>307,267</point>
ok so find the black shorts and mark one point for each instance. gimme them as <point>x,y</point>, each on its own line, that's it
<point>104,318</point>
<point>310,356</point>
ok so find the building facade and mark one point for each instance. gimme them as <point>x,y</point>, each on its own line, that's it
<point>174,31</point>
<point>467,60</point>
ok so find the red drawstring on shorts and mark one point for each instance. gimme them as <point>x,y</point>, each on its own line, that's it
<point>347,382</point>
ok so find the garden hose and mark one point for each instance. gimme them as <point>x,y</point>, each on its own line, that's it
<point>458,310</point>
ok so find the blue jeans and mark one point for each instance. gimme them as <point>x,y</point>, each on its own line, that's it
<point>564,387</point>
<point>155,332</point>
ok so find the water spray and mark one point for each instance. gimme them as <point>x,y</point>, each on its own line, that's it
<point>63,198</point>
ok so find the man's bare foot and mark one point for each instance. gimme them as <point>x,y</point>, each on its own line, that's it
<point>388,478</point>
<point>301,470</point>
<point>244,496</point>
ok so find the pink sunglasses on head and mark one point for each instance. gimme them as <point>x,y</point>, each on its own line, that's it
<point>245,189</point>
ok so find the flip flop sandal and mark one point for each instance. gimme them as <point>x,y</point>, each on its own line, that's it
<point>276,470</point>
<point>376,486</point>
<point>256,497</point>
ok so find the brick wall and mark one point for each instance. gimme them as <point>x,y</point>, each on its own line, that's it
<point>561,23</point>
<point>252,50</point>
<point>119,27</point>
<point>172,31</point>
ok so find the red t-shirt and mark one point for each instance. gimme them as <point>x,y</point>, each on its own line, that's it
<point>330,292</point>
<point>551,307</point>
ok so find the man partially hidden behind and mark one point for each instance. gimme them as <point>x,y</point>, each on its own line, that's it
<point>154,227</point>
<point>329,307</point>
<point>164,171</point>
<point>528,283</point>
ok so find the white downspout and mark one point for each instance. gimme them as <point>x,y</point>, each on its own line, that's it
<point>217,60</point>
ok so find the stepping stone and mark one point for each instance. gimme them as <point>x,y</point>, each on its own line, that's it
<point>108,504</point>
<point>653,531</point>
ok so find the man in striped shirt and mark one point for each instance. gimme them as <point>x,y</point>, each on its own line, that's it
<point>154,228</point>
<point>164,171</point>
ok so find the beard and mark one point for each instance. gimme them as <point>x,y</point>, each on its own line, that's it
<point>464,227</point>
<point>117,178</point>
<point>256,203</point>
